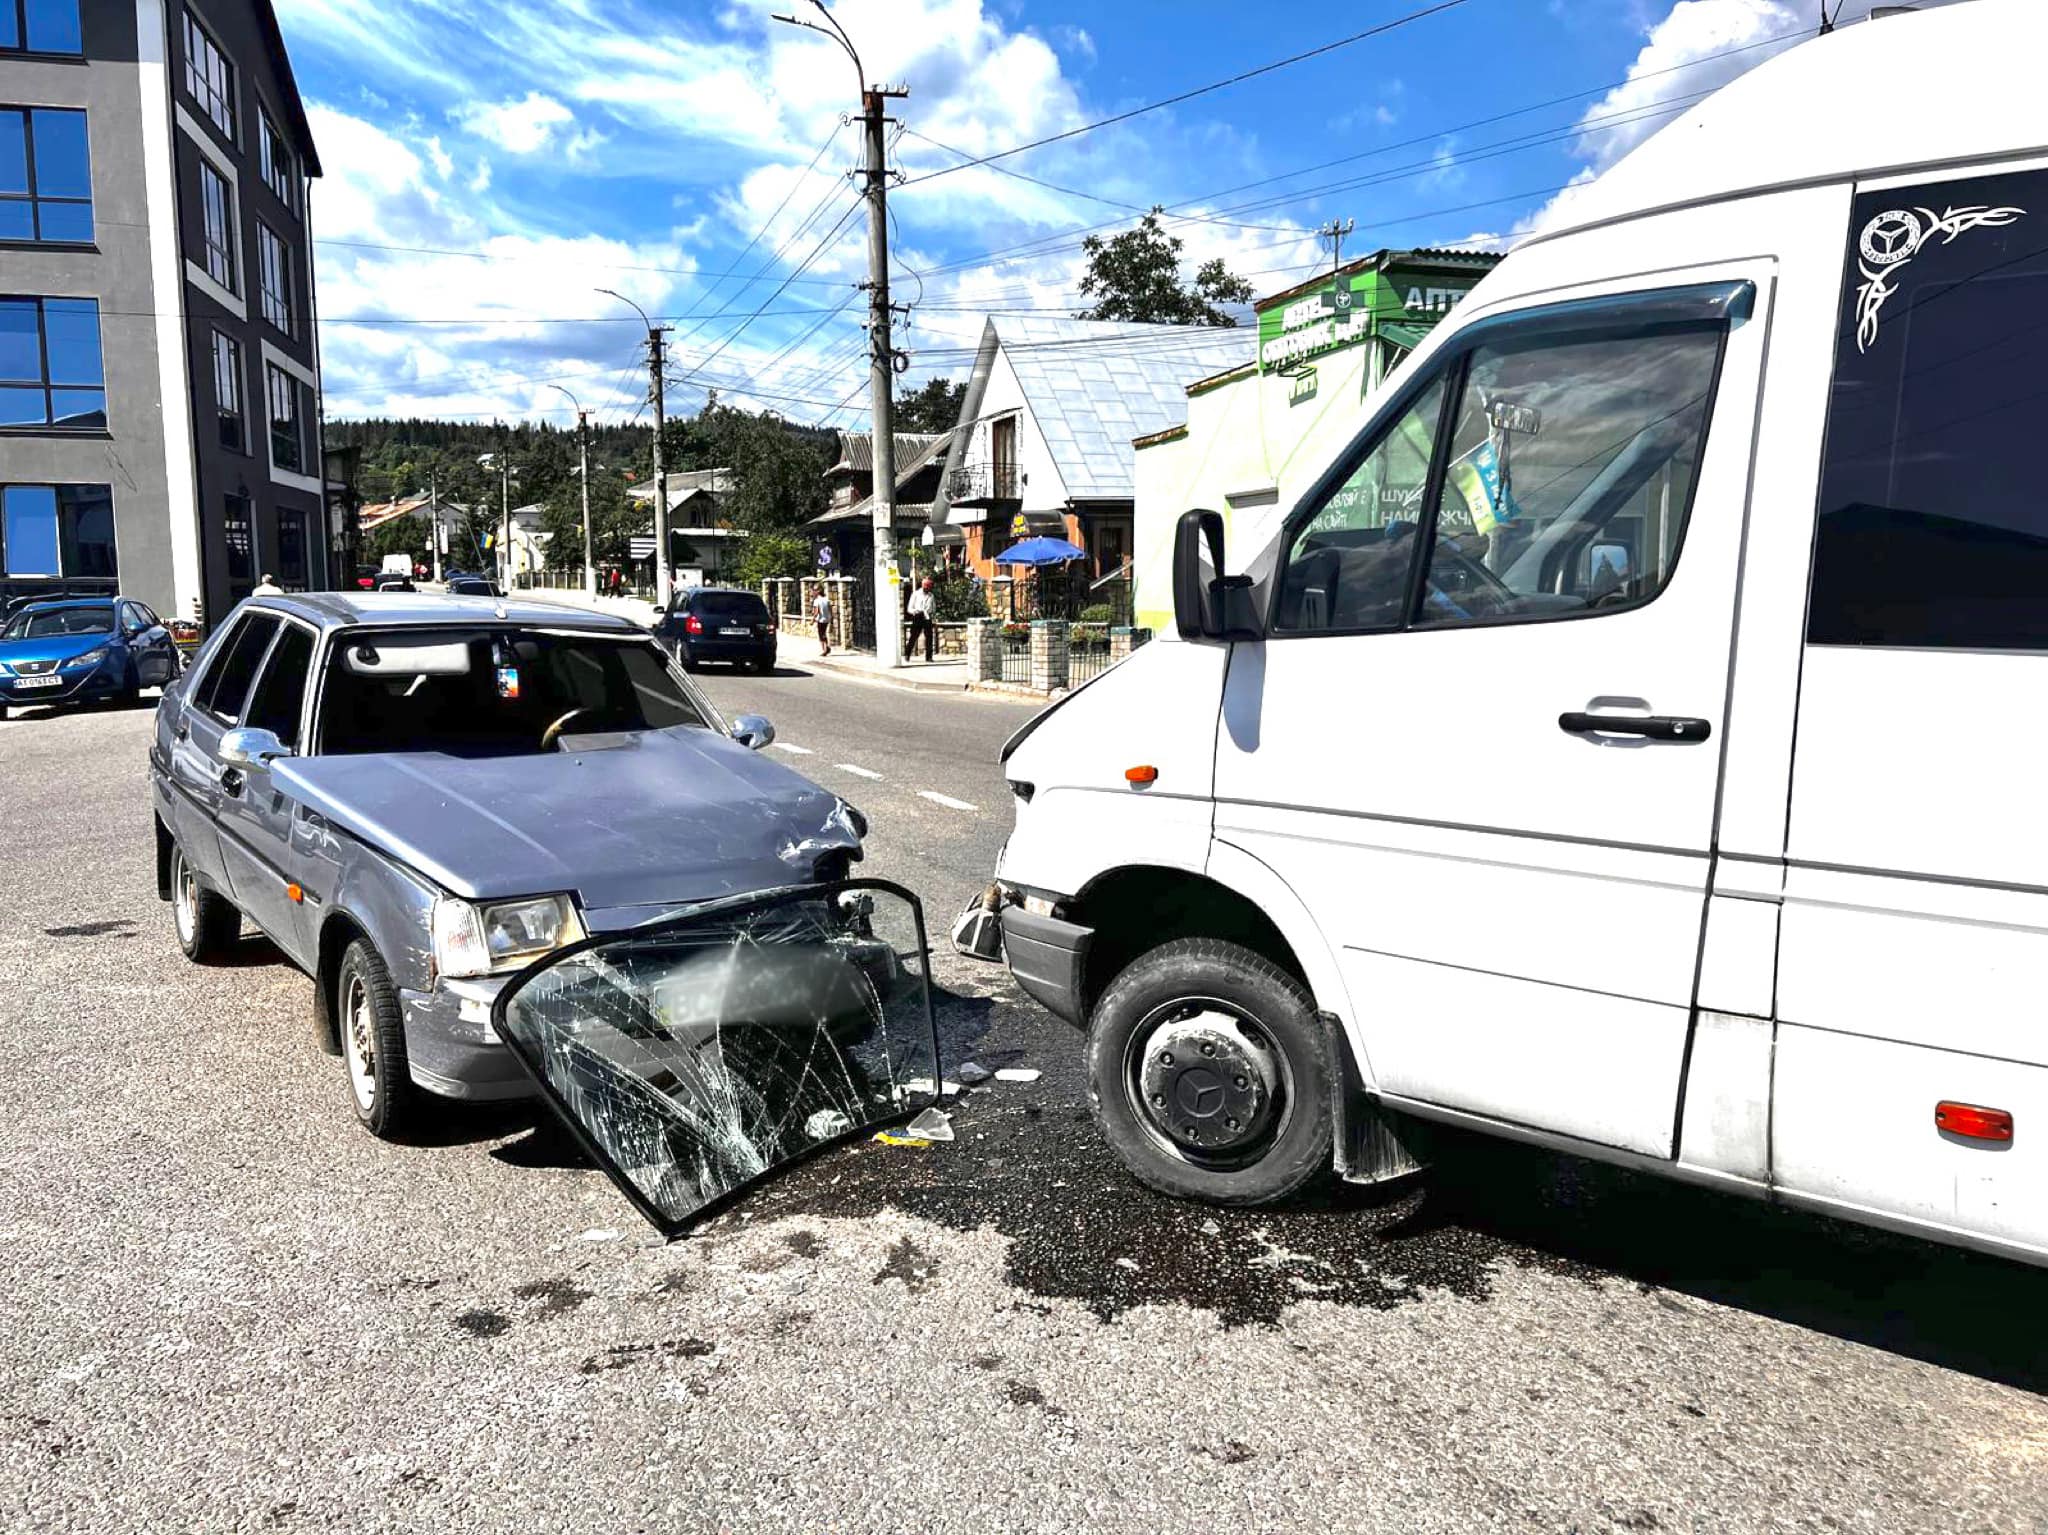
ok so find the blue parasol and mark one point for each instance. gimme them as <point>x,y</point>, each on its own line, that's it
<point>1041,551</point>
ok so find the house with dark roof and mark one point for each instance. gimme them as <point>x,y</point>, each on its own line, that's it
<point>702,541</point>
<point>1043,444</point>
<point>845,531</point>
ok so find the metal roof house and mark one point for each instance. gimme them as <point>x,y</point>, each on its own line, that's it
<point>1046,425</point>
<point>702,544</point>
<point>846,526</point>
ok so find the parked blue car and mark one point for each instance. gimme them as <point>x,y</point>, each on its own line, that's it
<point>83,650</point>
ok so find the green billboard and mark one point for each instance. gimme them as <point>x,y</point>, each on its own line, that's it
<point>1395,302</point>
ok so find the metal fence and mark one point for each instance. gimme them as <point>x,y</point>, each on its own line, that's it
<point>1072,593</point>
<point>1016,659</point>
<point>1087,652</point>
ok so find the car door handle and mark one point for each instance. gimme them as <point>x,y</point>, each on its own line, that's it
<point>231,780</point>
<point>1654,727</point>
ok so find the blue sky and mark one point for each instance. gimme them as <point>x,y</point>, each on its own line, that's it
<point>490,165</point>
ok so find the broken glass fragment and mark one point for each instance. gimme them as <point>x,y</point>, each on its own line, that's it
<point>973,1073</point>
<point>1019,1074</point>
<point>931,1125</point>
<point>697,1054</point>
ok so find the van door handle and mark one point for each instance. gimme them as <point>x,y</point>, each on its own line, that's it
<point>1655,727</point>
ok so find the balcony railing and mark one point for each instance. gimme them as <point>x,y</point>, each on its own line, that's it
<point>983,482</point>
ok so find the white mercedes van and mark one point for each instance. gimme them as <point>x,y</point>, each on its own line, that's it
<point>1637,742</point>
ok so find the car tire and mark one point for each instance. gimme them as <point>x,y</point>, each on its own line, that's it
<point>206,922</point>
<point>1242,1115</point>
<point>689,662</point>
<point>372,1031</point>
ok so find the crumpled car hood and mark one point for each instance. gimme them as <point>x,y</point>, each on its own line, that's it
<point>656,817</point>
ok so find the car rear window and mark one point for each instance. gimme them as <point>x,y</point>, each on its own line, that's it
<point>731,605</point>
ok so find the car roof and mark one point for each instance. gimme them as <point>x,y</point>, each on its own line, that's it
<point>50,604</point>
<point>336,610</point>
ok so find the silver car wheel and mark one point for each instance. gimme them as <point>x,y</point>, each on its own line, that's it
<point>184,898</point>
<point>359,1042</point>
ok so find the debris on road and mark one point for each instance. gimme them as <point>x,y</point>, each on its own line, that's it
<point>1017,1074</point>
<point>973,1073</point>
<point>903,1140</point>
<point>931,1125</point>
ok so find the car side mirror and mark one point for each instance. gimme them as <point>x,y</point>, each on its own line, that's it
<point>251,748</point>
<point>752,731</point>
<point>1209,605</point>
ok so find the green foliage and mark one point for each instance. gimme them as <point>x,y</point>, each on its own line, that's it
<point>401,535</point>
<point>614,519</point>
<point>766,556</point>
<point>933,408</point>
<point>958,598</point>
<point>1136,276</point>
<point>1097,613</point>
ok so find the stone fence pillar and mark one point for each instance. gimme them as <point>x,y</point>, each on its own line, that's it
<point>1048,654</point>
<point>842,612</point>
<point>1123,639</point>
<point>984,650</point>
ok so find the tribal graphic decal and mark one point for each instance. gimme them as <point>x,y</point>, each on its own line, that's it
<point>1891,239</point>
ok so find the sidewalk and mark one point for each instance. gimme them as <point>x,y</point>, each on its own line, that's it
<point>948,675</point>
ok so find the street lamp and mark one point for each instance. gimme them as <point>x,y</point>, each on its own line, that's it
<point>655,371</point>
<point>583,474</point>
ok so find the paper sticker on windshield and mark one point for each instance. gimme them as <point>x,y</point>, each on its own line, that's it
<point>508,682</point>
<point>697,1055</point>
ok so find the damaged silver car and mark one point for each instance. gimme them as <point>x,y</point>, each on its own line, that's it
<point>416,797</point>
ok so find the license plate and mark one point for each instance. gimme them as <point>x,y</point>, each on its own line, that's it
<point>37,682</point>
<point>737,633</point>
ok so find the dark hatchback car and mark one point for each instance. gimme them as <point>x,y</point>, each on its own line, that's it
<point>711,623</point>
<point>83,650</point>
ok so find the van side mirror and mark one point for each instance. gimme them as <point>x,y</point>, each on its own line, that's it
<point>1208,605</point>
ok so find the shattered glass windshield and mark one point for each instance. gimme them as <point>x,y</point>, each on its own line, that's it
<point>697,1055</point>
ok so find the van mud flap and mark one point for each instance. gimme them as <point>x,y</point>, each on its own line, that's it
<point>697,1055</point>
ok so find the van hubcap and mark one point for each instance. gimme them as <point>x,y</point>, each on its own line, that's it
<point>1205,1077</point>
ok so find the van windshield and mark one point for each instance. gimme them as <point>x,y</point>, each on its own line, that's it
<point>494,692</point>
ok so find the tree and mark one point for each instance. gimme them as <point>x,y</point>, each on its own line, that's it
<point>934,408</point>
<point>1136,276</point>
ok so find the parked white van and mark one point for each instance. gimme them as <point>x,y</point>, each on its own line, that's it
<point>1669,788</point>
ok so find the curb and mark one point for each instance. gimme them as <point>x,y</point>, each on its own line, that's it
<point>904,682</point>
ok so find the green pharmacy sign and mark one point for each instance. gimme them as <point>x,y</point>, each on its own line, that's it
<point>1388,303</point>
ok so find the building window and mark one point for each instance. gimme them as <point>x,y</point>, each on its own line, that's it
<point>276,159</point>
<point>291,548</point>
<point>209,77</point>
<point>45,175</point>
<point>57,530</point>
<point>283,391</point>
<point>40,26</point>
<point>1933,529</point>
<point>217,226</point>
<point>273,264</point>
<point>50,374</point>
<point>241,546</point>
<point>227,392</point>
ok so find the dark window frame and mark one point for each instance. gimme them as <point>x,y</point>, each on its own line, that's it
<point>67,497</point>
<point>18,11</point>
<point>275,377</point>
<point>211,95</point>
<point>1722,304</point>
<point>236,411</point>
<point>50,387</point>
<point>230,503</point>
<point>35,198</point>
<point>220,253</point>
<point>275,160</point>
<point>274,278</point>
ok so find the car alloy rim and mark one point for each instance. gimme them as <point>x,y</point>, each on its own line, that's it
<point>1207,1082</point>
<point>359,1043</point>
<point>184,898</point>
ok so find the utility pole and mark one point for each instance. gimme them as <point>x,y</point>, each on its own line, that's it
<point>874,101</point>
<point>657,359</point>
<point>583,474</point>
<point>505,526</point>
<point>434,521</point>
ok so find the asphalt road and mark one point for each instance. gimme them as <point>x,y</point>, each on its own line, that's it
<point>227,1308</point>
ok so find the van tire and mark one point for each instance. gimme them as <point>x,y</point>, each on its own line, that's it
<point>1274,1006</point>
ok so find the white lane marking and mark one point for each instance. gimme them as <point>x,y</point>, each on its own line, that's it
<point>784,746</point>
<point>858,772</point>
<point>944,799</point>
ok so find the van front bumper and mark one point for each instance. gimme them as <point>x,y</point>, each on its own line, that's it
<point>1049,958</point>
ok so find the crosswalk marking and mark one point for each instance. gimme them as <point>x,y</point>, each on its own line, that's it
<point>784,746</point>
<point>944,799</point>
<point>858,772</point>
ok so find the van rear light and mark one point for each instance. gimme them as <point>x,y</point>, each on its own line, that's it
<point>1973,1122</point>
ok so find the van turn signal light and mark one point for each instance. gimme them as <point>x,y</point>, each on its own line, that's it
<point>1972,1122</point>
<point>1138,777</point>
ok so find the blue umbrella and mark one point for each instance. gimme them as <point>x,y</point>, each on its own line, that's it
<point>1041,551</point>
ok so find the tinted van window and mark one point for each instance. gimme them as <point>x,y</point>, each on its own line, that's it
<point>1933,519</point>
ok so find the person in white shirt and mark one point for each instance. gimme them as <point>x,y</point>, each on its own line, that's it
<point>821,615</point>
<point>921,619</point>
<point>268,587</point>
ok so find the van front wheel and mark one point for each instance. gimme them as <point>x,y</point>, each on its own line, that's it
<point>1209,1075</point>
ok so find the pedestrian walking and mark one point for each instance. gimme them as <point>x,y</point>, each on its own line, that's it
<point>921,604</point>
<point>268,586</point>
<point>821,615</point>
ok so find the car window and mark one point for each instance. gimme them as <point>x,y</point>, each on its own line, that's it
<point>514,684</point>
<point>274,701</point>
<point>1350,564</point>
<point>1570,470</point>
<point>148,615</point>
<point>226,684</point>
<point>131,621</point>
<point>731,605</point>
<point>1933,527</point>
<point>53,623</point>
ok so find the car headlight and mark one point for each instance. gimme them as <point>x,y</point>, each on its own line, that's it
<point>497,936</point>
<point>90,658</point>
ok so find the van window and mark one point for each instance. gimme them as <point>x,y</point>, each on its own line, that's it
<point>1351,564</point>
<point>226,682</point>
<point>1570,469</point>
<point>1933,519</point>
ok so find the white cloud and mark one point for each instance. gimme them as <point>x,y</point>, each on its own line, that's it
<point>519,126</point>
<point>444,163</point>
